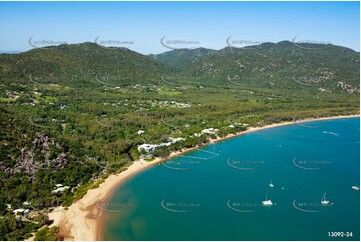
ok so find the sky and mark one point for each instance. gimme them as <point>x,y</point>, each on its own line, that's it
<point>156,27</point>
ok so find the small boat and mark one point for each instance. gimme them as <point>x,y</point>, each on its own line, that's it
<point>356,188</point>
<point>324,201</point>
<point>271,184</point>
<point>267,202</point>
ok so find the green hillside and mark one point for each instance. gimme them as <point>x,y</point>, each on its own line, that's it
<point>180,57</point>
<point>73,114</point>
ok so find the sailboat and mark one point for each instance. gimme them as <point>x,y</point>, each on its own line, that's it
<point>267,202</point>
<point>324,201</point>
<point>357,188</point>
<point>271,184</point>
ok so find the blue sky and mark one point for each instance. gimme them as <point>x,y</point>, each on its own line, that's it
<point>141,25</point>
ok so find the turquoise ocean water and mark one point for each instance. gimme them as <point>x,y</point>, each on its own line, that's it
<point>216,192</point>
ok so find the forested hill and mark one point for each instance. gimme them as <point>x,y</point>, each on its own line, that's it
<point>180,57</point>
<point>322,67</point>
<point>79,64</point>
<point>284,65</point>
<point>73,114</point>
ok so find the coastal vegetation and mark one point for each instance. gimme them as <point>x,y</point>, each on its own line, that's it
<point>71,115</point>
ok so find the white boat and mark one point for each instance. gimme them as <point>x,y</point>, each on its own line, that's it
<point>356,188</point>
<point>271,184</point>
<point>324,201</point>
<point>267,202</point>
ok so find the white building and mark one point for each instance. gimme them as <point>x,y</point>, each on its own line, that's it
<point>59,188</point>
<point>174,140</point>
<point>140,132</point>
<point>148,148</point>
<point>209,131</point>
<point>21,210</point>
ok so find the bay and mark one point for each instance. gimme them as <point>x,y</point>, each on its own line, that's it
<point>216,192</point>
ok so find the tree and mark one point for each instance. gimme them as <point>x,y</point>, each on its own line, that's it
<point>46,234</point>
<point>162,151</point>
<point>7,225</point>
<point>2,208</point>
<point>42,218</point>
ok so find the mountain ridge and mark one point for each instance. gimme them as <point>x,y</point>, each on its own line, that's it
<point>284,64</point>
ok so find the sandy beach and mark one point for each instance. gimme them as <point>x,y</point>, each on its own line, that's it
<point>81,220</point>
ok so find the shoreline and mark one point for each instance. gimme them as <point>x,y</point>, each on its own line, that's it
<point>81,221</point>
